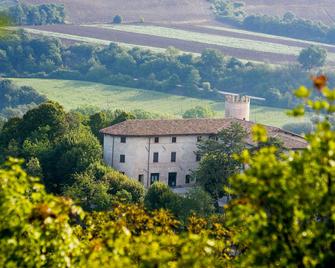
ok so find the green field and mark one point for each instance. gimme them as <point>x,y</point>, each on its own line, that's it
<point>74,94</point>
<point>278,37</point>
<point>227,41</point>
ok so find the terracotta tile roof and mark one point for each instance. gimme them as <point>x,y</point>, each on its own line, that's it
<point>179,127</point>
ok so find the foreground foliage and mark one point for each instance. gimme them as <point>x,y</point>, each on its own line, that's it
<point>284,206</point>
<point>40,230</point>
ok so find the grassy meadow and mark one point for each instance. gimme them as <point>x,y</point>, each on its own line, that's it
<point>74,94</point>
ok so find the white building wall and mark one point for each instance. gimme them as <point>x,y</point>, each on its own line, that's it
<point>139,152</point>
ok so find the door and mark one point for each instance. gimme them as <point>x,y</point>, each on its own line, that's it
<point>172,179</point>
<point>154,177</point>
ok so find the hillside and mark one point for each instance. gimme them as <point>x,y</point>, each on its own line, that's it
<point>87,11</point>
<point>74,94</point>
<point>187,25</point>
<point>308,9</point>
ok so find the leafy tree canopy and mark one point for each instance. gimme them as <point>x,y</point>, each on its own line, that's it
<point>199,112</point>
<point>313,56</point>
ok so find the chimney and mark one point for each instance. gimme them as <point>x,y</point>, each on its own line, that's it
<point>237,106</point>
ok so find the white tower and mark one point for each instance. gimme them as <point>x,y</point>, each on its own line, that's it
<point>237,106</point>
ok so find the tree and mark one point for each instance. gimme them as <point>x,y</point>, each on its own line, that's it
<point>90,194</point>
<point>199,112</point>
<point>118,183</point>
<point>312,57</point>
<point>97,122</point>
<point>198,202</point>
<point>14,97</point>
<point>284,207</point>
<point>289,16</point>
<point>218,162</point>
<point>160,196</point>
<point>117,19</point>
<point>73,154</point>
<point>34,168</point>
<point>120,116</point>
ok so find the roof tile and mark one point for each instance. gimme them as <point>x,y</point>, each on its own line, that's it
<point>179,127</point>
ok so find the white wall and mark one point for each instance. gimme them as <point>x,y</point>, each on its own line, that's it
<point>136,151</point>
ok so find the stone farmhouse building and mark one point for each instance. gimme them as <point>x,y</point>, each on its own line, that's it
<point>165,150</point>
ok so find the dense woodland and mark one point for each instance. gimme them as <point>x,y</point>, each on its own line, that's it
<point>288,25</point>
<point>183,74</point>
<point>23,14</point>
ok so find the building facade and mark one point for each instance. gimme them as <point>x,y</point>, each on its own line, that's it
<point>166,150</point>
<point>169,159</point>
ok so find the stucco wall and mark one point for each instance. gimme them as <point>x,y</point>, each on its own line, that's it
<point>138,150</point>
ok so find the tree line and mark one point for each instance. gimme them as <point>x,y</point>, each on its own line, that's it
<point>24,14</point>
<point>288,25</point>
<point>16,101</point>
<point>184,74</point>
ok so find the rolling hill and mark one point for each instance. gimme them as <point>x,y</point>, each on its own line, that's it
<point>321,10</point>
<point>88,11</point>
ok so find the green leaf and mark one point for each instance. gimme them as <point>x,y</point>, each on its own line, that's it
<point>302,92</point>
<point>259,133</point>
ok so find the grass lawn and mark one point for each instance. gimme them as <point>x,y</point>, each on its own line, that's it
<point>73,94</point>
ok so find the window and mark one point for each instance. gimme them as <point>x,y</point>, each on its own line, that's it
<point>174,139</point>
<point>141,178</point>
<point>123,139</point>
<point>156,156</point>
<point>156,139</point>
<point>198,157</point>
<point>154,177</point>
<point>122,158</point>
<point>173,156</point>
<point>199,138</point>
<point>213,137</point>
<point>188,179</point>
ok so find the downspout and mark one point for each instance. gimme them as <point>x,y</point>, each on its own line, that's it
<point>113,152</point>
<point>148,169</point>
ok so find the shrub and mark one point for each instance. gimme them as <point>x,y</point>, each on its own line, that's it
<point>118,183</point>
<point>160,196</point>
<point>117,19</point>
